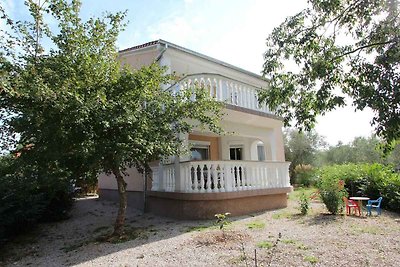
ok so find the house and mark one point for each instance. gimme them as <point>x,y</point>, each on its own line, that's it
<point>241,172</point>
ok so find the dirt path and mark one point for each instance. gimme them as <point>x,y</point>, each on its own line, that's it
<point>313,240</point>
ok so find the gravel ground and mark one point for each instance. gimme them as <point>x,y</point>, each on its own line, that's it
<point>279,238</point>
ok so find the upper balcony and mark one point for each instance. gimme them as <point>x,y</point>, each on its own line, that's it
<point>230,91</point>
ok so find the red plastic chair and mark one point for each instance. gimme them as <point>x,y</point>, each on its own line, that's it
<point>351,204</point>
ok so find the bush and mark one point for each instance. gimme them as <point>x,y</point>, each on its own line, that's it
<point>305,175</point>
<point>304,202</point>
<point>30,195</point>
<point>372,180</point>
<point>332,191</point>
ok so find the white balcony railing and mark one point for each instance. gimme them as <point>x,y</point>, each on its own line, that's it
<point>225,89</point>
<point>220,176</point>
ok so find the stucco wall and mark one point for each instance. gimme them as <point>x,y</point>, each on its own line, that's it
<point>133,179</point>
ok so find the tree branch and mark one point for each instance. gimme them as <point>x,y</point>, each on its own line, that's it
<point>364,47</point>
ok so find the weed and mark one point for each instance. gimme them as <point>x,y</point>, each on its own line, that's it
<point>199,228</point>
<point>265,244</point>
<point>288,241</point>
<point>256,225</point>
<point>311,259</point>
<point>280,215</point>
<point>301,246</point>
<point>304,202</point>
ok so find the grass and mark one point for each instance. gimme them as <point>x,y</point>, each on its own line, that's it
<point>199,228</point>
<point>283,214</point>
<point>288,241</point>
<point>265,244</point>
<point>311,259</point>
<point>295,195</point>
<point>255,225</point>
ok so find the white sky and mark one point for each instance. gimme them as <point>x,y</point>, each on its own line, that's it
<point>233,31</point>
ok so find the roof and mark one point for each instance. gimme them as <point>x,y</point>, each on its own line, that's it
<point>185,50</point>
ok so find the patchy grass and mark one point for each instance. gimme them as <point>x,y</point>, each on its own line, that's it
<point>311,259</point>
<point>301,246</point>
<point>265,244</point>
<point>288,241</point>
<point>255,225</point>
<point>130,233</point>
<point>199,228</point>
<point>282,215</point>
<point>295,195</point>
<point>368,229</point>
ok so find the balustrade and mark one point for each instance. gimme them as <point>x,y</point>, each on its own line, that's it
<point>220,176</point>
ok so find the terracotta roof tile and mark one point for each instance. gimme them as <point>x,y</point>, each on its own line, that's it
<point>140,46</point>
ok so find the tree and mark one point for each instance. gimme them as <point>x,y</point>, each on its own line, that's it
<point>301,148</point>
<point>79,110</point>
<point>341,49</point>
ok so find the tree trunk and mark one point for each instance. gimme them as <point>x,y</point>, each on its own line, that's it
<point>123,203</point>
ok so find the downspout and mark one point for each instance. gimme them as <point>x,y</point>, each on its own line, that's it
<point>161,53</point>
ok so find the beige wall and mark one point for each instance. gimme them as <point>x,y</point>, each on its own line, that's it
<point>133,179</point>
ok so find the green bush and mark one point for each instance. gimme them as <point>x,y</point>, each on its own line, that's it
<point>304,202</point>
<point>305,175</point>
<point>371,180</point>
<point>29,195</point>
<point>332,191</point>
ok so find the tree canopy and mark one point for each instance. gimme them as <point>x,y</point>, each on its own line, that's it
<point>78,110</point>
<point>340,49</point>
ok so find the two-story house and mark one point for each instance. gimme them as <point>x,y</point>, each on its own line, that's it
<point>240,172</point>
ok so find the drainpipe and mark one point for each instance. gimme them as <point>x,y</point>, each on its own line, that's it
<point>161,53</point>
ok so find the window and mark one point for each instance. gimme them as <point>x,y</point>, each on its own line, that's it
<point>261,152</point>
<point>200,152</point>
<point>236,153</point>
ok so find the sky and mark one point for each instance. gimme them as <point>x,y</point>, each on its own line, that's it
<point>233,31</point>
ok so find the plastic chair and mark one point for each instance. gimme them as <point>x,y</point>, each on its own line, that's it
<point>374,204</point>
<point>351,204</point>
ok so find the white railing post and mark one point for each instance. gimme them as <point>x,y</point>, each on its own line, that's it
<point>155,179</point>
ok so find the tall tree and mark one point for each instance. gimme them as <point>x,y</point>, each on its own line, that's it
<point>301,148</point>
<point>341,48</point>
<point>77,108</point>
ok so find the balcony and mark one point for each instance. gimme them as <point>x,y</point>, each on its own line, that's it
<point>224,89</point>
<point>220,176</point>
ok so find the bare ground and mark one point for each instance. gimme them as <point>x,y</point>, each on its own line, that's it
<point>279,238</point>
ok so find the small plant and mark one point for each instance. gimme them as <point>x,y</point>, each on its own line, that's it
<point>311,259</point>
<point>222,219</point>
<point>256,225</point>
<point>304,202</point>
<point>265,244</point>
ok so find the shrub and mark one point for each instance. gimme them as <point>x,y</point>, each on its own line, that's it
<point>332,192</point>
<point>372,180</point>
<point>29,195</point>
<point>305,175</point>
<point>304,202</point>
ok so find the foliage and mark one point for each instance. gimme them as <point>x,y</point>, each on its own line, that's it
<point>305,175</point>
<point>304,202</point>
<point>372,180</point>
<point>332,191</point>
<point>341,49</point>
<point>30,194</point>
<point>360,150</point>
<point>300,148</point>
<point>222,219</point>
<point>79,109</point>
